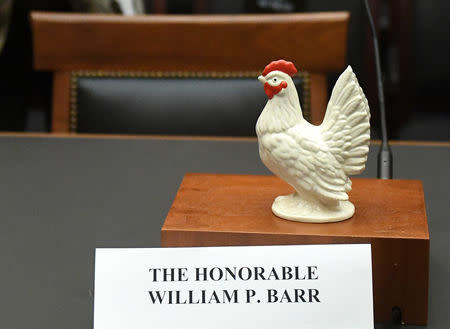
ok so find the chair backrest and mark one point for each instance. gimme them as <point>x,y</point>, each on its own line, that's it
<point>170,103</point>
<point>219,49</point>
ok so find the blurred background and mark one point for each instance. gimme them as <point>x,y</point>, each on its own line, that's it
<point>413,36</point>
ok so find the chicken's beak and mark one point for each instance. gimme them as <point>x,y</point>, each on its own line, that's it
<point>262,79</point>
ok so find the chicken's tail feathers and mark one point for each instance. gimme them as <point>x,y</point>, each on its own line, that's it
<point>346,127</point>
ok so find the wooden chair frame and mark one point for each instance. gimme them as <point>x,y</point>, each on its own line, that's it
<point>65,43</point>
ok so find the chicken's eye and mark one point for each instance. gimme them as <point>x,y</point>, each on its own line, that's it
<point>274,79</point>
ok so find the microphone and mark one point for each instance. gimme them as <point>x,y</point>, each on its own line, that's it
<point>384,155</point>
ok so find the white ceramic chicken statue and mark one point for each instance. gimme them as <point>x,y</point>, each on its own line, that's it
<point>315,160</point>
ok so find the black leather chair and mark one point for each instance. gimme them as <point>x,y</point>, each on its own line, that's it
<point>195,75</point>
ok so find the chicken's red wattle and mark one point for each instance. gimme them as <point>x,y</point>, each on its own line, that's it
<point>273,90</point>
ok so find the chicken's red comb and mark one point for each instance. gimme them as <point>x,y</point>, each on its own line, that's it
<point>281,65</point>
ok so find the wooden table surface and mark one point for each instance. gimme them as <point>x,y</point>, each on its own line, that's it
<point>63,196</point>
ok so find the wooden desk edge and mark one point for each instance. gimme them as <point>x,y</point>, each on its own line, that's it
<point>190,137</point>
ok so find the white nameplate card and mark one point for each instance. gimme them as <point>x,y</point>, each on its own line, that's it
<point>310,286</point>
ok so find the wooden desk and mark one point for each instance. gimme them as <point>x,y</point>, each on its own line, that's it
<point>61,196</point>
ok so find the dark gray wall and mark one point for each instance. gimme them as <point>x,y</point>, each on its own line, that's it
<point>431,49</point>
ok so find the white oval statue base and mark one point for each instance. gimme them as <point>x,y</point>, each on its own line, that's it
<point>293,207</point>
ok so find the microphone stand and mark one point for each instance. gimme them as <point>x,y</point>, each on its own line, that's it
<point>384,155</point>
